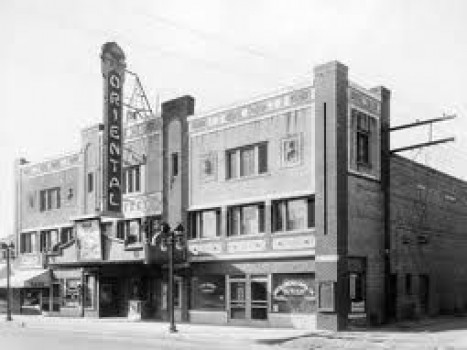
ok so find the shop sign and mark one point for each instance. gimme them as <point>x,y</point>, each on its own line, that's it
<point>207,288</point>
<point>292,289</point>
<point>113,142</point>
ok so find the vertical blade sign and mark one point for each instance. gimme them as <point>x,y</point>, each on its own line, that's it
<point>113,133</point>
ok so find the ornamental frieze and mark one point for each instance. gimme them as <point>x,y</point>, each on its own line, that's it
<point>364,102</point>
<point>274,104</point>
<point>51,166</point>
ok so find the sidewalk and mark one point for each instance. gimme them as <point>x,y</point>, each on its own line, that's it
<point>151,328</point>
<point>432,333</point>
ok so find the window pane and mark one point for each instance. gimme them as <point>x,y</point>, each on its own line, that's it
<point>130,180</point>
<point>124,179</point>
<point>43,195</point>
<point>209,226</point>
<point>137,179</point>
<point>90,182</point>
<point>231,164</point>
<point>247,161</point>
<point>174,164</point>
<point>363,148</point>
<point>250,220</point>
<point>311,212</point>
<point>57,191</point>
<point>209,292</point>
<point>261,218</point>
<point>133,231</point>
<point>234,221</point>
<point>262,158</point>
<point>277,216</point>
<point>296,214</point>
<point>49,200</point>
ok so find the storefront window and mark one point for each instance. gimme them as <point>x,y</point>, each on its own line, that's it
<point>293,293</point>
<point>31,299</point>
<point>70,287</point>
<point>208,292</point>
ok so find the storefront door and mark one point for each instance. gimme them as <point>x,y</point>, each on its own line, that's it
<point>109,298</point>
<point>247,298</point>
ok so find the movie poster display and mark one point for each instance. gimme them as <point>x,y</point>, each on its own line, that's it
<point>89,240</point>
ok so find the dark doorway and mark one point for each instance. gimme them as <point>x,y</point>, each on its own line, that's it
<point>424,289</point>
<point>109,297</point>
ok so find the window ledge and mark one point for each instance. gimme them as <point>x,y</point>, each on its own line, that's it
<point>133,194</point>
<point>206,239</point>
<point>250,236</point>
<point>249,177</point>
<point>294,232</point>
<point>134,246</point>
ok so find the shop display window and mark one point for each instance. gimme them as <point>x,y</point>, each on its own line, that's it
<point>293,293</point>
<point>71,292</point>
<point>208,292</point>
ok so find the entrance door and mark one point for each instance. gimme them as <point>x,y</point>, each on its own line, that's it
<point>248,298</point>
<point>109,300</point>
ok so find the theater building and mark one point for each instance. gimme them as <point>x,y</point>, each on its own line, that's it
<point>296,213</point>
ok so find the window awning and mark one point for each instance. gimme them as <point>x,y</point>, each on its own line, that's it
<point>32,278</point>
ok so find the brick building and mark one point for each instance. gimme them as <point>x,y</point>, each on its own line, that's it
<point>296,215</point>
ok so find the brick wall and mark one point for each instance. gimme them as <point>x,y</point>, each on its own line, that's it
<point>366,239</point>
<point>428,236</point>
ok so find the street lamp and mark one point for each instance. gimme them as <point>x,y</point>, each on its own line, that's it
<point>173,239</point>
<point>7,247</point>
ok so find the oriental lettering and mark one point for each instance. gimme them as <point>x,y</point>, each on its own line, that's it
<point>113,135</point>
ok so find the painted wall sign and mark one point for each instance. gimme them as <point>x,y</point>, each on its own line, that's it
<point>113,142</point>
<point>89,240</point>
<point>292,289</point>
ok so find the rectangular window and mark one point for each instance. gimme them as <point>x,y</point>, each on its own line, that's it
<point>247,161</point>
<point>27,242</point>
<point>246,219</point>
<point>293,293</point>
<point>132,179</point>
<point>174,164</point>
<point>45,241</point>
<point>66,235</point>
<point>363,136</point>
<point>231,164</point>
<point>293,214</point>
<point>205,223</point>
<point>90,182</point>
<point>50,199</point>
<point>208,292</point>
<point>130,231</point>
<point>262,158</point>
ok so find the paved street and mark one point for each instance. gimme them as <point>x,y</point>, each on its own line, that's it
<point>26,332</point>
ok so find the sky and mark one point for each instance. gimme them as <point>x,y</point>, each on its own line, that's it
<point>221,52</point>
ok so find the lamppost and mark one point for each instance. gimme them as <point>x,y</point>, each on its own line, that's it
<point>173,239</point>
<point>7,247</point>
